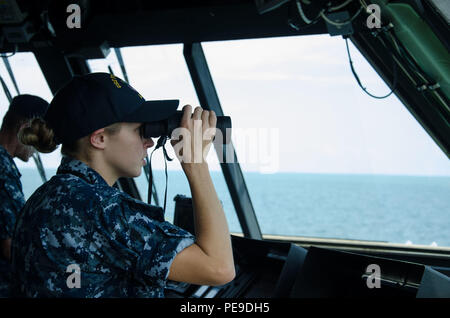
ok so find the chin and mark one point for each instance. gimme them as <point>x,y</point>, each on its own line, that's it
<point>24,158</point>
<point>138,172</point>
<point>133,174</point>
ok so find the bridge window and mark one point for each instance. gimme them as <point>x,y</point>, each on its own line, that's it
<point>321,158</point>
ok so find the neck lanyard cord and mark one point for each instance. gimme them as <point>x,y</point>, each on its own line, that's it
<point>161,143</point>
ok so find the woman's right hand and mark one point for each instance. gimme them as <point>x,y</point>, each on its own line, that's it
<point>193,139</point>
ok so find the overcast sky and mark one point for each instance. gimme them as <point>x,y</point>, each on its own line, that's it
<point>294,104</point>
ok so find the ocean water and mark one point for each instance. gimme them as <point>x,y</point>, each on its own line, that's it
<point>396,209</point>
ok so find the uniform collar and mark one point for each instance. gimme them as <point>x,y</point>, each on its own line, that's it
<point>75,167</point>
<point>80,169</point>
<point>5,154</point>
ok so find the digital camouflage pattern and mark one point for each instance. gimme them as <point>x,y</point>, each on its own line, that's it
<point>123,247</point>
<point>11,202</point>
<point>11,195</point>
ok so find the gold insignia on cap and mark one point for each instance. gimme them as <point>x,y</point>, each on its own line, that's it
<point>114,80</point>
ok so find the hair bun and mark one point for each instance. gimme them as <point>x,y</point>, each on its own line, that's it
<point>38,135</point>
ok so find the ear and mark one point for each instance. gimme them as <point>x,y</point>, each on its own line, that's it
<point>98,139</point>
<point>25,124</point>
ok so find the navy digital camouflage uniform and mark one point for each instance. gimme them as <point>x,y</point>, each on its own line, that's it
<point>11,202</point>
<point>123,246</point>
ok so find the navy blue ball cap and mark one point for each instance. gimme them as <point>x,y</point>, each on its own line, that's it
<point>97,100</point>
<point>28,106</point>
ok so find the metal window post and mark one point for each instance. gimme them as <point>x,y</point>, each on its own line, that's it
<point>207,95</point>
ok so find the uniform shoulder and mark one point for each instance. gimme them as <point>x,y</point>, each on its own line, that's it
<point>71,188</point>
<point>6,163</point>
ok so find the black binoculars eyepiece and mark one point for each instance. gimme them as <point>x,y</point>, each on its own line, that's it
<point>167,126</point>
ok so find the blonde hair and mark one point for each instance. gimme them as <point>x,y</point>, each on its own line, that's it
<point>39,135</point>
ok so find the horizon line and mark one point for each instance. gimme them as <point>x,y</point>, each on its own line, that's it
<point>297,172</point>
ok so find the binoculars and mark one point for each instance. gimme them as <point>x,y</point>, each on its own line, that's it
<point>167,126</point>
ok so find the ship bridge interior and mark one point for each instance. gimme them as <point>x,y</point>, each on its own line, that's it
<point>408,46</point>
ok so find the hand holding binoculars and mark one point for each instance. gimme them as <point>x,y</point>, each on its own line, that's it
<point>167,126</point>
